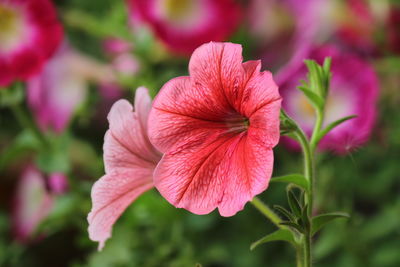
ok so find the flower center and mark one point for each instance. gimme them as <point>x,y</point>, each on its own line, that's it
<point>306,107</point>
<point>11,28</point>
<point>179,11</point>
<point>238,125</point>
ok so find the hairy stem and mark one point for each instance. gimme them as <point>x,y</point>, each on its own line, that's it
<point>266,211</point>
<point>308,153</point>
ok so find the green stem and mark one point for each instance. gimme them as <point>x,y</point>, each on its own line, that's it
<point>266,211</point>
<point>299,256</point>
<point>308,164</point>
<point>309,174</point>
<point>26,122</point>
<point>307,250</point>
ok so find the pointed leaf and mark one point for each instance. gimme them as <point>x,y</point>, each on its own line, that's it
<point>313,97</point>
<point>296,179</point>
<point>293,225</point>
<point>294,203</point>
<point>279,235</point>
<point>331,126</point>
<point>285,212</point>
<point>319,221</point>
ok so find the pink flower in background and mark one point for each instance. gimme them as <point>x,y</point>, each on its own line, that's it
<point>32,204</point>
<point>58,183</point>
<point>129,160</point>
<point>217,128</point>
<point>353,91</point>
<point>114,46</point>
<point>123,61</point>
<point>29,34</point>
<point>289,26</point>
<point>183,25</point>
<point>56,92</point>
<point>357,26</point>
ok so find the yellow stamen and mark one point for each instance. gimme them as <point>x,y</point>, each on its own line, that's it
<point>11,27</point>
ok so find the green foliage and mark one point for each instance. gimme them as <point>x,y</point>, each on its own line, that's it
<point>278,235</point>
<point>319,221</point>
<point>296,179</point>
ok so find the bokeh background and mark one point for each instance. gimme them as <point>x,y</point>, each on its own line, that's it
<point>109,48</point>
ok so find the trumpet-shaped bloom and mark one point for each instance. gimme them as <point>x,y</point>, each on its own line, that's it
<point>183,25</point>
<point>32,203</point>
<point>353,91</point>
<point>217,128</point>
<point>129,160</point>
<point>29,34</point>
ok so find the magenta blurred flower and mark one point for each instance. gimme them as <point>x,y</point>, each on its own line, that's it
<point>122,60</point>
<point>32,204</point>
<point>357,26</point>
<point>129,160</point>
<point>289,26</point>
<point>58,183</point>
<point>183,25</point>
<point>29,34</point>
<point>217,128</point>
<point>353,91</point>
<point>126,64</point>
<point>56,92</point>
<point>115,46</point>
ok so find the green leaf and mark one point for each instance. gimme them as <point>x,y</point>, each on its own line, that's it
<point>319,221</point>
<point>293,225</point>
<point>285,213</point>
<point>294,203</point>
<point>296,179</point>
<point>331,126</point>
<point>278,235</point>
<point>313,97</point>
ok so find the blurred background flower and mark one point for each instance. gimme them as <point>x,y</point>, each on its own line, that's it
<point>29,34</point>
<point>58,91</point>
<point>354,91</point>
<point>183,25</point>
<point>32,204</point>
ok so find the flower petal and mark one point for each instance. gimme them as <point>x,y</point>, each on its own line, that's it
<point>218,67</point>
<point>129,160</point>
<point>127,139</point>
<point>250,169</point>
<point>181,112</point>
<point>111,195</point>
<point>225,173</point>
<point>260,89</point>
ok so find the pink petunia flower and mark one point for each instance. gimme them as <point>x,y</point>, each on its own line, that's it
<point>29,34</point>
<point>32,204</point>
<point>183,25</point>
<point>353,91</point>
<point>129,160</point>
<point>217,128</point>
<point>56,92</point>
